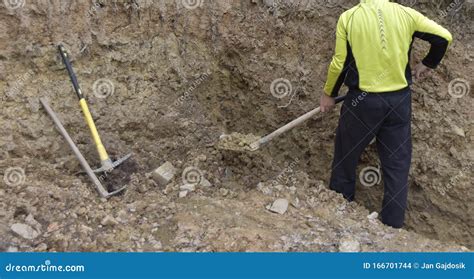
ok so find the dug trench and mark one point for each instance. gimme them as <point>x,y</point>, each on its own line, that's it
<point>176,80</point>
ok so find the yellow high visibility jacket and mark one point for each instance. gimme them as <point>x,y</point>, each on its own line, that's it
<point>373,44</point>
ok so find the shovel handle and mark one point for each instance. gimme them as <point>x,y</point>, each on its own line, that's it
<point>70,71</point>
<point>294,123</point>
<point>104,157</point>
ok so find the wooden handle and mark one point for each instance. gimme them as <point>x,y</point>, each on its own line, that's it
<point>294,123</point>
<point>85,165</point>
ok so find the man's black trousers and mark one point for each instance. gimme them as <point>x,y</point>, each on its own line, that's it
<point>387,117</point>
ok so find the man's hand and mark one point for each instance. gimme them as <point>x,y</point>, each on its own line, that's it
<point>420,71</point>
<point>327,103</point>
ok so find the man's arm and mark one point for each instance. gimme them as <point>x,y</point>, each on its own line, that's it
<point>337,72</point>
<point>428,30</point>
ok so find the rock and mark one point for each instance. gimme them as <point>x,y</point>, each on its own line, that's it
<point>52,227</point>
<point>373,216</point>
<point>201,158</point>
<point>30,220</point>
<point>349,245</point>
<point>458,131</point>
<point>164,174</point>
<point>81,211</point>
<point>25,231</point>
<point>41,247</point>
<point>142,188</point>
<point>224,192</point>
<point>183,194</point>
<point>279,206</point>
<point>109,221</point>
<point>188,187</point>
<point>12,249</point>
<point>296,203</point>
<point>205,183</point>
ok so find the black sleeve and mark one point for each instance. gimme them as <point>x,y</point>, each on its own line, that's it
<point>439,45</point>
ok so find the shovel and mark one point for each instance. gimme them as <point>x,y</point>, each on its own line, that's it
<point>266,139</point>
<point>106,163</point>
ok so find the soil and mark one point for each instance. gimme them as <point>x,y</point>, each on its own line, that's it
<point>180,79</point>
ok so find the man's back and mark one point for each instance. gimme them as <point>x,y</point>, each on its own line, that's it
<point>373,43</point>
<point>373,46</point>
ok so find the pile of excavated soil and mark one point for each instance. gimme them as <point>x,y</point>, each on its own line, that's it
<point>237,142</point>
<point>177,79</point>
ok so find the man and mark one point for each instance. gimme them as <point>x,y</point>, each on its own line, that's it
<point>373,45</point>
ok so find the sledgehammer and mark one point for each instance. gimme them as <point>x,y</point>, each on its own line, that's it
<point>262,141</point>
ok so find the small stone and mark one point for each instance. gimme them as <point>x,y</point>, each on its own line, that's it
<point>12,249</point>
<point>279,206</point>
<point>52,227</point>
<point>81,211</point>
<point>142,188</point>
<point>183,194</point>
<point>30,220</point>
<point>349,245</point>
<point>224,192</point>
<point>458,131</point>
<point>109,221</point>
<point>296,203</point>
<point>205,183</point>
<point>201,158</point>
<point>373,216</point>
<point>41,247</point>
<point>24,231</point>
<point>164,174</point>
<point>188,187</point>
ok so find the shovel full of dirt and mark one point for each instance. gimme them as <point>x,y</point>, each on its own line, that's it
<point>241,142</point>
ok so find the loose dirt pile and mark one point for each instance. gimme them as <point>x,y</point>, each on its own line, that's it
<point>164,81</point>
<point>237,142</point>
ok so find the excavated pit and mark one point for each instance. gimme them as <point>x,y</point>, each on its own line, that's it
<point>181,78</point>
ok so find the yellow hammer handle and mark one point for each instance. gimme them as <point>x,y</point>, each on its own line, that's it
<point>95,135</point>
